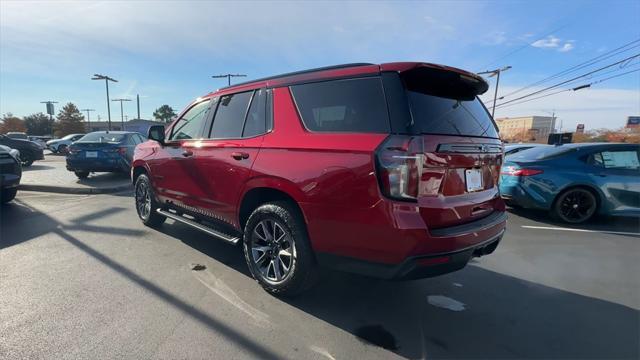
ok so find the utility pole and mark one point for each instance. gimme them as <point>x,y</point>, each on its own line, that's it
<point>228,76</point>
<point>138,102</point>
<point>50,111</point>
<point>106,82</point>
<point>496,73</point>
<point>88,118</point>
<point>121,110</point>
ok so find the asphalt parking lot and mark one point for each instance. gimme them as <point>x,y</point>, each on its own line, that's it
<point>81,277</point>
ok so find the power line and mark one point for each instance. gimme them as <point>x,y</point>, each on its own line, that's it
<point>622,67</point>
<point>573,89</point>
<point>570,80</point>
<point>582,65</point>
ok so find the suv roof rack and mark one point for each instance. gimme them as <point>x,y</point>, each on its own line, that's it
<point>333,67</point>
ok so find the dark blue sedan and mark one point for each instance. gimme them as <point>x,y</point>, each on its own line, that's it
<point>103,151</point>
<point>574,181</point>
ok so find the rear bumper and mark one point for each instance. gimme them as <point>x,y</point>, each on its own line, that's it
<point>415,267</point>
<point>391,240</point>
<point>517,194</point>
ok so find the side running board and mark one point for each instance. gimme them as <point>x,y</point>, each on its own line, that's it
<point>197,225</point>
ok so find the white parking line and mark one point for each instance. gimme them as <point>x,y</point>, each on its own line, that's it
<point>580,230</point>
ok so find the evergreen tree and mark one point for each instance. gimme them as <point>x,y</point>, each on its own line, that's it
<point>70,121</point>
<point>164,113</point>
<point>38,124</point>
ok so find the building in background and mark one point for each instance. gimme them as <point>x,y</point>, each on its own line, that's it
<point>580,129</point>
<point>526,128</point>
<point>137,125</point>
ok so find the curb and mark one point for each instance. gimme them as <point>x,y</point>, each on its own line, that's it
<point>74,190</point>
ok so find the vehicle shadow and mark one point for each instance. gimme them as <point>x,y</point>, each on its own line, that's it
<point>478,313</point>
<point>37,167</point>
<point>13,232</point>
<point>597,223</point>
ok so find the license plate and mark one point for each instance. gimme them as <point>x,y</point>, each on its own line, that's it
<point>474,179</point>
<point>91,154</point>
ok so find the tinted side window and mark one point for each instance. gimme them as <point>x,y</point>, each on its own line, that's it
<point>230,115</point>
<point>190,124</point>
<point>354,105</point>
<point>255,123</point>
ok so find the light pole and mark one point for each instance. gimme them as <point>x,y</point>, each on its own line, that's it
<point>495,94</point>
<point>50,111</point>
<point>88,118</point>
<point>106,82</point>
<point>121,110</point>
<point>228,76</point>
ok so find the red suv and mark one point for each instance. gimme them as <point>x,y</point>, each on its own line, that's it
<point>385,170</point>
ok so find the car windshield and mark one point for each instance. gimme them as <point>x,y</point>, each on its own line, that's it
<point>68,137</point>
<point>540,153</point>
<point>102,137</point>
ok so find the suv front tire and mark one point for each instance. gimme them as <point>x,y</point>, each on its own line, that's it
<point>146,204</point>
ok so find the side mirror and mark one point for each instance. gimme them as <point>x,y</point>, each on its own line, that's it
<point>156,132</point>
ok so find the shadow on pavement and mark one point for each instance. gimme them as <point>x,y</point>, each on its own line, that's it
<point>36,167</point>
<point>597,223</point>
<point>14,232</point>
<point>503,317</point>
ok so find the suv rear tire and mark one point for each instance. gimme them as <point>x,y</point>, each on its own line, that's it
<point>277,249</point>
<point>146,203</point>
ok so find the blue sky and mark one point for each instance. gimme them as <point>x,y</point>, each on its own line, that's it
<point>166,51</point>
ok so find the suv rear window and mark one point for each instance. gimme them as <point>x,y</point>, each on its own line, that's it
<point>438,115</point>
<point>353,105</point>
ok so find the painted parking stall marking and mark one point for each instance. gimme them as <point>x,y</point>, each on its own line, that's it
<point>580,230</point>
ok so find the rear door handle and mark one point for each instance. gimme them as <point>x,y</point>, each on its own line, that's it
<point>239,155</point>
<point>187,153</point>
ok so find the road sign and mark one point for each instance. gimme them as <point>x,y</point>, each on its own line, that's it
<point>580,129</point>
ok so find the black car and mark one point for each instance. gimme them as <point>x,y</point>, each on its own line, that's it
<point>29,151</point>
<point>10,173</point>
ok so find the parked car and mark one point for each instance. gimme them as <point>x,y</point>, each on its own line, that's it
<point>103,151</point>
<point>17,135</point>
<point>574,181</point>
<point>511,149</point>
<point>38,140</point>
<point>29,151</point>
<point>10,173</point>
<point>386,170</point>
<point>62,145</point>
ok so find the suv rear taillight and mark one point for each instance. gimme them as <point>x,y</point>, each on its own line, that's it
<point>399,162</point>
<point>513,171</point>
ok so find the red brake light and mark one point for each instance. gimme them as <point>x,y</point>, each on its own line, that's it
<point>512,171</point>
<point>399,167</point>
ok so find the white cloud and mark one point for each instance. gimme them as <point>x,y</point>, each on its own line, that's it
<point>566,47</point>
<point>548,42</point>
<point>552,42</point>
